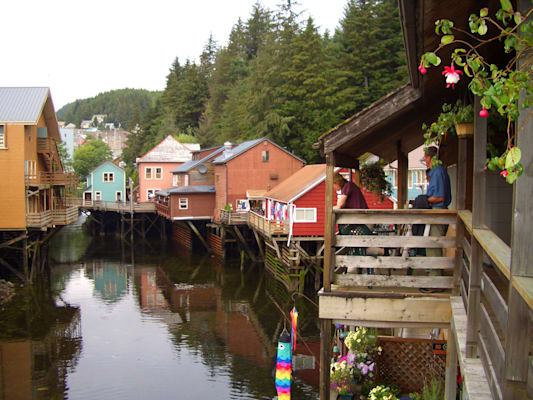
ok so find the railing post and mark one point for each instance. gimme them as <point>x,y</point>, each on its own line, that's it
<point>329,225</point>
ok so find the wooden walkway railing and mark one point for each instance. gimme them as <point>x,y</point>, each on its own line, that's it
<point>397,269</point>
<point>267,227</point>
<point>117,206</point>
<point>233,218</point>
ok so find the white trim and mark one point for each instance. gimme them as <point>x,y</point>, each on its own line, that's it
<point>109,175</point>
<point>186,203</point>
<point>121,195</point>
<point>151,173</point>
<point>185,218</point>
<point>306,209</point>
<point>155,173</point>
<point>97,194</point>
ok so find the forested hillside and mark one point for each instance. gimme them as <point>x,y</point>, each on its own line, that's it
<point>124,106</point>
<point>279,77</point>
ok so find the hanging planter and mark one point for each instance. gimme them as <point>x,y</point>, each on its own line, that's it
<point>465,129</point>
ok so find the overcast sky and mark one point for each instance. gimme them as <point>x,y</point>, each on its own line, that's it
<point>80,48</point>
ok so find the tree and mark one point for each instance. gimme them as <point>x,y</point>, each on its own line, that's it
<point>90,155</point>
<point>63,155</point>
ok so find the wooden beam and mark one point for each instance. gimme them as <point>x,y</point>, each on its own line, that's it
<point>362,123</point>
<point>433,242</point>
<point>394,262</point>
<point>474,299</point>
<point>462,168</point>
<point>259,244</point>
<point>406,216</point>
<point>423,310</point>
<point>329,225</point>
<point>12,241</point>
<point>480,176</point>
<point>243,241</point>
<point>325,357</point>
<point>14,271</point>
<point>403,168</point>
<point>450,385</point>
<point>199,235</point>
<point>400,281</point>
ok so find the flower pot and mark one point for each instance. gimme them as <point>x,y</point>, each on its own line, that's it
<point>347,396</point>
<point>464,129</point>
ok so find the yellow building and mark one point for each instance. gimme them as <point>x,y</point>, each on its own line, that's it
<point>33,182</point>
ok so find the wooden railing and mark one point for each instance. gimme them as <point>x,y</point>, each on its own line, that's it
<point>384,261</point>
<point>119,206</point>
<point>486,297</point>
<point>45,145</point>
<point>233,218</point>
<point>52,178</point>
<point>64,216</point>
<point>39,219</point>
<point>267,227</point>
<point>163,209</point>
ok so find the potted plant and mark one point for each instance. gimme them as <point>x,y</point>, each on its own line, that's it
<point>463,119</point>
<point>342,379</point>
<point>382,392</point>
<point>373,179</point>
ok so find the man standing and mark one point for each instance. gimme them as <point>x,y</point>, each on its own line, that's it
<point>439,196</point>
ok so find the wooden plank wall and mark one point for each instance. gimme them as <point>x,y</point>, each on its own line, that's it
<point>182,235</point>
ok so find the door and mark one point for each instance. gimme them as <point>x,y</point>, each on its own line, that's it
<point>88,198</point>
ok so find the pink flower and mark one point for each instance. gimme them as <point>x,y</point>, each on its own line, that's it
<point>483,113</point>
<point>452,76</point>
<point>504,173</point>
<point>422,69</point>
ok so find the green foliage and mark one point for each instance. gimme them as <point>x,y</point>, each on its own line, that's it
<point>63,155</point>
<point>373,178</point>
<point>89,155</point>
<point>184,138</point>
<point>124,107</point>
<point>450,116</point>
<point>507,88</point>
<point>433,391</point>
<point>383,392</point>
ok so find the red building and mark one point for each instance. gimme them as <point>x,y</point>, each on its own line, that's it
<point>298,203</point>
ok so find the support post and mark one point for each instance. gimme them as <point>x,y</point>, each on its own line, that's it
<point>450,386</point>
<point>197,233</point>
<point>329,226</point>
<point>325,357</point>
<point>403,167</point>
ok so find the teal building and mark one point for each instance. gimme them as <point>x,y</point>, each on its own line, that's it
<point>107,182</point>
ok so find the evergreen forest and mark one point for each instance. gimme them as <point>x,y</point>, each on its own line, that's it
<point>277,77</point>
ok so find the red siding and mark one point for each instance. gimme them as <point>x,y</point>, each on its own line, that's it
<point>200,205</point>
<point>315,198</point>
<point>374,202</point>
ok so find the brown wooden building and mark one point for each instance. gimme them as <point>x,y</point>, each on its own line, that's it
<point>33,180</point>
<point>487,280</point>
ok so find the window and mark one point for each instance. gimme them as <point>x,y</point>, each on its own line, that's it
<point>265,154</point>
<point>186,180</point>
<point>411,179</point>
<point>148,173</point>
<point>2,138</point>
<point>30,167</point>
<point>158,172</point>
<point>184,204</point>
<point>305,215</point>
<point>175,180</point>
<point>150,193</point>
<point>118,196</point>
<point>98,196</point>
<point>109,176</point>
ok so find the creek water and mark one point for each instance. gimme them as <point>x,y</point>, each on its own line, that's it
<point>153,322</point>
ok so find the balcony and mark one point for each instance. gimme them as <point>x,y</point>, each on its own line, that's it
<point>163,209</point>
<point>64,216</point>
<point>46,145</point>
<point>267,227</point>
<point>39,219</point>
<point>51,178</point>
<point>233,218</point>
<point>382,287</point>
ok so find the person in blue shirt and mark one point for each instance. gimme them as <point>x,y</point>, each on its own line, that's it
<point>439,197</point>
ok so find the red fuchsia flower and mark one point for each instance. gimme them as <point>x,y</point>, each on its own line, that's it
<point>452,76</point>
<point>422,69</point>
<point>504,173</point>
<point>483,113</point>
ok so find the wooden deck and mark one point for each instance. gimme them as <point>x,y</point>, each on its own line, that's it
<point>117,206</point>
<point>233,218</point>
<point>267,227</point>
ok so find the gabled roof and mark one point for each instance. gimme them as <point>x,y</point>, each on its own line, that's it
<point>187,189</point>
<point>107,162</point>
<point>186,167</point>
<point>245,146</point>
<point>299,183</point>
<point>170,150</point>
<point>22,105</point>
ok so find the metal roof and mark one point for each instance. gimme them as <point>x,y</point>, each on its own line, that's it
<point>170,150</point>
<point>187,189</point>
<point>22,104</point>
<point>245,146</point>
<point>298,183</point>
<point>186,167</point>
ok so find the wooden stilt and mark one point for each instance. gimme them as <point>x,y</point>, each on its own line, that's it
<point>259,244</point>
<point>243,241</point>
<point>199,235</point>
<point>25,257</point>
<point>325,357</point>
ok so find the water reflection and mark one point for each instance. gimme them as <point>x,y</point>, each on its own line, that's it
<point>168,327</point>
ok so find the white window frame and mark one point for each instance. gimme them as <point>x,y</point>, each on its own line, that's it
<point>146,169</point>
<point>175,180</point>
<point>185,206</point>
<point>3,137</point>
<point>116,195</point>
<point>186,180</point>
<point>305,209</point>
<point>160,173</point>
<point>265,156</point>
<point>110,177</point>
<point>239,202</point>
<point>98,196</point>
<point>148,191</point>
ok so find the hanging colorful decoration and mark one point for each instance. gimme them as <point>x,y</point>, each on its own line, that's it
<point>284,367</point>
<point>294,325</point>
